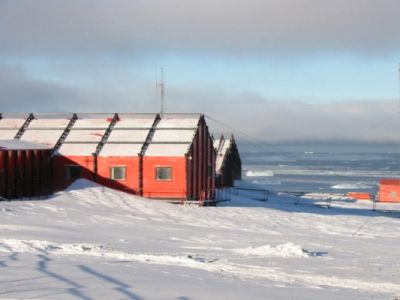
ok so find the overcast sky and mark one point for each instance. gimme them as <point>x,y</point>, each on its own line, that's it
<point>279,69</point>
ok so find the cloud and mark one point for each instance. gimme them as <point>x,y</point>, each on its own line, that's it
<point>258,27</point>
<point>247,112</point>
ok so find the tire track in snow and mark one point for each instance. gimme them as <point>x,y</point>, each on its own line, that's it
<point>225,267</point>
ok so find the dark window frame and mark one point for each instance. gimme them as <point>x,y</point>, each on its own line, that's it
<point>68,172</point>
<point>157,173</point>
<point>112,177</point>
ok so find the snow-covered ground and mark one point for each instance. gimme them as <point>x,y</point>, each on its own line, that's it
<point>91,242</point>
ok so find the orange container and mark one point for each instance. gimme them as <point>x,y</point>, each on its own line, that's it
<point>359,196</point>
<point>389,190</point>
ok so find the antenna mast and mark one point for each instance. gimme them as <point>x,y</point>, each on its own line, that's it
<point>399,83</point>
<point>161,85</point>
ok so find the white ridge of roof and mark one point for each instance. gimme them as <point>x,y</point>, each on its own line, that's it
<point>47,137</point>
<point>134,123</point>
<point>167,149</point>
<point>21,145</point>
<point>179,122</point>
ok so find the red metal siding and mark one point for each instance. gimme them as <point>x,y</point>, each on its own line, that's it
<point>24,173</point>
<point>3,173</point>
<point>201,164</point>
<point>59,169</point>
<point>11,156</point>
<point>28,173</point>
<point>389,190</point>
<point>174,188</point>
<point>131,182</point>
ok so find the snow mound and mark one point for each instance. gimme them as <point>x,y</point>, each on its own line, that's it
<point>283,250</point>
<point>263,173</point>
<point>81,184</point>
<point>351,186</point>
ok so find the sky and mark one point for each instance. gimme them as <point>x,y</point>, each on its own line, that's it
<point>282,71</point>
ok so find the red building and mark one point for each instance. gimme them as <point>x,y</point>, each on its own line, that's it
<point>389,190</point>
<point>157,157</point>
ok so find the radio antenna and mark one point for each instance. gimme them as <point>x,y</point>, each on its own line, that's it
<point>161,86</point>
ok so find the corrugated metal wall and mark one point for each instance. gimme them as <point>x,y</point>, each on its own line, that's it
<point>25,173</point>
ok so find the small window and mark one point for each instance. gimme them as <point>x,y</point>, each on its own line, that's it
<point>118,173</point>
<point>73,172</point>
<point>163,173</point>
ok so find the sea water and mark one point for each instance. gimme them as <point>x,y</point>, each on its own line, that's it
<point>331,168</point>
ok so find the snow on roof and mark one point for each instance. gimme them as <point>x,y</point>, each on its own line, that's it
<point>8,134</point>
<point>10,127</point>
<point>17,144</point>
<point>89,135</point>
<point>45,131</point>
<point>171,135</point>
<point>93,123</point>
<point>221,153</point>
<point>179,122</point>
<point>46,137</point>
<point>139,122</point>
<point>48,124</point>
<point>167,149</point>
<point>12,123</point>
<point>125,142</point>
<point>129,135</point>
<point>85,135</point>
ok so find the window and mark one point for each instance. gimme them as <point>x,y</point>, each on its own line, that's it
<point>73,172</point>
<point>118,173</point>
<point>163,173</point>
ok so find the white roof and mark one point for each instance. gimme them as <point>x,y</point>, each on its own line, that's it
<point>178,122</point>
<point>167,149</point>
<point>174,135</point>
<point>10,127</point>
<point>129,122</point>
<point>48,123</point>
<point>85,135</point>
<point>176,140</point>
<point>12,123</point>
<point>8,134</point>
<point>45,131</point>
<point>92,123</point>
<point>77,149</point>
<point>90,135</point>
<point>128,136</point>
<point>46,137</point>
<point>17,144</point>
<point>221,153</point>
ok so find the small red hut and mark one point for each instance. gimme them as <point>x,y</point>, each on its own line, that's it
<point>389,190</point>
